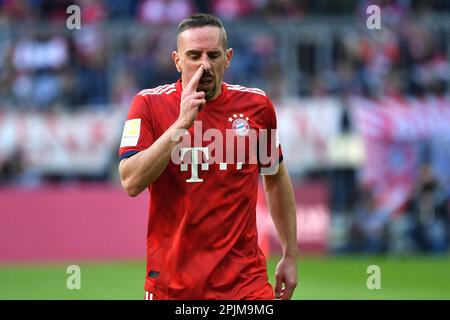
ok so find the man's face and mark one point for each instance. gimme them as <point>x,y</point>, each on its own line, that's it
<point>203,46</point>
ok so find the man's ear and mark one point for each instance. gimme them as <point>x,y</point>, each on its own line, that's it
<point>228,56</point>
<point>176,60</point>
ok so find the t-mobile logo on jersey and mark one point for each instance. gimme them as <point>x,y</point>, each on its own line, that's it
<point>196,159</point>
<point>225,148</point>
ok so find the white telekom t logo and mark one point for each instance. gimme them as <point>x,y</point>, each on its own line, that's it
<point>196,160</point>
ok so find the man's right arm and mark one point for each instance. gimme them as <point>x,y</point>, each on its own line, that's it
<point>142,169</point>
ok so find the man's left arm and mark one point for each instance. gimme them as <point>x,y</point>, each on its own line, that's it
<point>281,203</point>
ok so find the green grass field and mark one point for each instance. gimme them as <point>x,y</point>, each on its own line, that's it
<point>320,278</point>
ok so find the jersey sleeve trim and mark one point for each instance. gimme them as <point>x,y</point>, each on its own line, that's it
<point>280,159</point>
<point>128,154</point>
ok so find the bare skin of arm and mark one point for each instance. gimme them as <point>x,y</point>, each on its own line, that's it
<point>281,202</point>
<point>142,169</point>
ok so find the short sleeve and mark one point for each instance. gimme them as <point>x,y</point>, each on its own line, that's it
<point>270,154</point>
<point>138,133</point>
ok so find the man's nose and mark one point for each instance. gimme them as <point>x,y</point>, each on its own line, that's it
<point>205,62</point>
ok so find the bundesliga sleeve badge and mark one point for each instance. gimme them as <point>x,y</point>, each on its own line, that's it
<point>131,132</point>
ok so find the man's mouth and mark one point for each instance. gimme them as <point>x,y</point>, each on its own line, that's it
<point>206,80</point>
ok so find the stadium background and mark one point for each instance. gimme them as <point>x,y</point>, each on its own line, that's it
<point>364,117</point>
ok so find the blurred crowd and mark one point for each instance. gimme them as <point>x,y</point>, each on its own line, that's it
<point>422,225</point>
<point>45,66</point>
<point>404,57</point>
<point>171,11</point>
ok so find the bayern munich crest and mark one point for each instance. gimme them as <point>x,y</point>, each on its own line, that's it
<point>240,125</point>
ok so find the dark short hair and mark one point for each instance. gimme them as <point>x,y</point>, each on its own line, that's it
<point>201,20</point>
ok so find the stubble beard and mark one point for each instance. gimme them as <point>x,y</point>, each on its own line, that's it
<point>211,93</point>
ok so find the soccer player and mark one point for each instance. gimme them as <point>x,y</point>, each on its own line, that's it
<point>202,236</point>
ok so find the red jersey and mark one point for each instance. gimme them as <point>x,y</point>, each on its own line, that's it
<point>202,236</point>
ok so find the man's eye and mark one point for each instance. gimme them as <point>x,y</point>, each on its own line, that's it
<point>214,56</point>
<point>194,57</point>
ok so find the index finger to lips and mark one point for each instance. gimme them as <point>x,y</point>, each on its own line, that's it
<point>193,83</point>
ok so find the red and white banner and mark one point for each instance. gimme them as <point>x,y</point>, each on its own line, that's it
<point>86,142</point>
<point>402,119</point>
<point>308,128</point>
<point>79,143</point>
<point>393,130</point>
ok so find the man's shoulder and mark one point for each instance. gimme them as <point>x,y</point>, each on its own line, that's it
<point>161,91</point>
<point>255,93</point>
<point>159,97</point>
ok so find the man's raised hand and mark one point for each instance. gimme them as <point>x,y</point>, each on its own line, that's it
<point>191,101</point>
